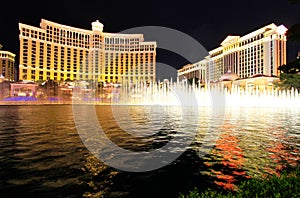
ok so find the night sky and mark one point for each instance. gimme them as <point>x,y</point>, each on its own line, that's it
<point>209,22</point>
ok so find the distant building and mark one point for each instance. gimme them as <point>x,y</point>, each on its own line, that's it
<point>258,82</point>
<point>260,52</point>
<point>196,70</point>
<point>7,65</point>
<point>23,88</point>
<point>60,52</point>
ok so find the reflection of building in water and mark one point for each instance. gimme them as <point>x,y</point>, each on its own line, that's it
<point>260,52</point>
<point>228,159</point>
<point>283,155</point>
<point>60,52</point>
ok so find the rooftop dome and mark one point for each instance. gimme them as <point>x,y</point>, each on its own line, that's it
<point>229,76</point>
<point>97,26</point>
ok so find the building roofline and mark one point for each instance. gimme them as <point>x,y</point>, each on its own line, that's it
<point>8,52</point>
<point>263,29</point>
<point>30,27</point>
<point>47,22</point>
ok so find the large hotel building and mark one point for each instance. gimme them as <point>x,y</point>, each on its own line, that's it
<point>60,52</point>
<point>260,52</point>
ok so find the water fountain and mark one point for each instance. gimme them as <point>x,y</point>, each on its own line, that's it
<point>164,102</point>
<point>171,93</point>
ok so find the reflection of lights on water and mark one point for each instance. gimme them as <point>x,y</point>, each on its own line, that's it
<point>21,98</point>
<point>230,156</point>
<point>160,95</point>
<point>253,143</point>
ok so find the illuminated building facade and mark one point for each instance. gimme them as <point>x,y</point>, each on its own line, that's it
<point>59,52</point>
<point>259,52</point>
<point>196,70</point>
<point>7,65</point>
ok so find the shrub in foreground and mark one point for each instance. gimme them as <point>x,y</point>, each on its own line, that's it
<point>285,185</point>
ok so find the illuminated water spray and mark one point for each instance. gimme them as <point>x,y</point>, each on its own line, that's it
<point>166,94</point>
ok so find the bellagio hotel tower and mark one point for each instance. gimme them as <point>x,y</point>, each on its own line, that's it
<point>60,52</point>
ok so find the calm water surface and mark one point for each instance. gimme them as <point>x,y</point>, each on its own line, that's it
<point>42,155</point>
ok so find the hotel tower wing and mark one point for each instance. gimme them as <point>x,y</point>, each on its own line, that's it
<point>60,52</point>
<point>260,52</point>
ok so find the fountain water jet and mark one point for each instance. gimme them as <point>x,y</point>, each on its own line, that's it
<point>171,93</point>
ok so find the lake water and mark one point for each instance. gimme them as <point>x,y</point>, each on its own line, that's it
<point>42,154</point>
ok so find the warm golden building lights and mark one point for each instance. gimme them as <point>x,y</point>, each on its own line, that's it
<point>7,65</point>
<point>259,52</point>
<point>61,52</point>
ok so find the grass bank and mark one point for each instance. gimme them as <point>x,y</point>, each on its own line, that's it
<point>286,185</point>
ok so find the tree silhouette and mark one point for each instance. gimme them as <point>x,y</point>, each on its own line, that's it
<point>294,31</point>
<point>293,1</point>
<point>290,76</point>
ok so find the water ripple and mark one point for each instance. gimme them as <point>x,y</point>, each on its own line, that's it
<point>42,154</point>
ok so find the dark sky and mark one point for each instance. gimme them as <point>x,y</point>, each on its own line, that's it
<point>209,22</point>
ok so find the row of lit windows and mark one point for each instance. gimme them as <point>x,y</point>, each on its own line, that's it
<point>250,59</point>
<point>107,48</point>
<point>127,48</point>
<point>251,40</point>
<point>70,42</point>
<point>67,34</point>
<point>5,55</point>
<point>130,59</point>
<point>240,44</point>
<point>32,33</point>
<point>7,62</point>
<point>6,68</point>
<point>86,77</point>
<point>117,40</point>
<point>41,45</point>
<point>76,39</point>
<point>56,49</point>
<point>216,53</point>
<point>127,69</point>
<point>47,72</point>
<point>42,55</point>
<point>52,38</point>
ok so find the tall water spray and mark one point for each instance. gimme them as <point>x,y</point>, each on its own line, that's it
<point>169,93</point>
